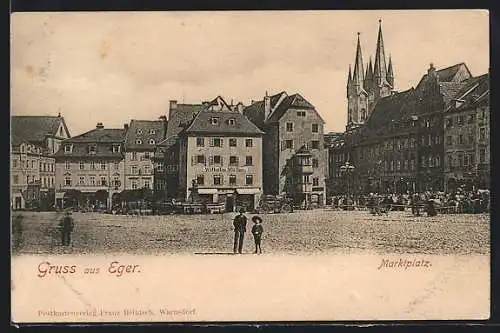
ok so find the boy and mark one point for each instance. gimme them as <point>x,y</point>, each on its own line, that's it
<point>257,231</point>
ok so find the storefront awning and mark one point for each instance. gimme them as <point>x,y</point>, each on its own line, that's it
<point>59,195</point>
<point>247,191</point>
<point>207,190</point>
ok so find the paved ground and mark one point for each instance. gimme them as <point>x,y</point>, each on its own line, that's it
<point>306,232</point>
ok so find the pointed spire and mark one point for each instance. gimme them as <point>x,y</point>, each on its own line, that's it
<point>390,73</point>
<point>380,70</point>
<point>369,75</point>
<point>349,77</point>
<point>358,76</point>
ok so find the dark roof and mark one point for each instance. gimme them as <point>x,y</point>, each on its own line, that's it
<point>446,74</point>
<point>450,89</point>
<point>35,128</point>
<point>255,112</point>
<point>145,126</point>
<point>103,135</point>
<point>295,101</point>
<point>182,114</point>
<point>472,92</point>
<point>202,124</point>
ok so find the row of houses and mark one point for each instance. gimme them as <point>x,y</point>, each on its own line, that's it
<point>431,137</point>
<point>232,154</point>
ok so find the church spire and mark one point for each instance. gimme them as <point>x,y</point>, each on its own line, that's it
<point>349,77</point>
<point>390,73</point>
<point>358,76</point>
<point>380,70</point>
<point>369,75</point>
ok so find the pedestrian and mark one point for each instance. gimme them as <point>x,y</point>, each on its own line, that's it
<point>66,226</point>
<point>240,227</point>
<point>257,231</point>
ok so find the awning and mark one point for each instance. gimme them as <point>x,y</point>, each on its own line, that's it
<point>207,190</point>
<point>60,195</point>
<point>247,191</point>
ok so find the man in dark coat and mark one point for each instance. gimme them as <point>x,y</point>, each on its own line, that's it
<point>240,227</point>
<point>66,226</point>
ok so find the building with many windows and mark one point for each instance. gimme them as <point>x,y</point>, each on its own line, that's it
<point>294,156</point>
<point>34,140</point>
<point>218,150</point>
<point>90,168</point>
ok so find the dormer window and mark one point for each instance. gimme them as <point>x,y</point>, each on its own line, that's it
<point>116,148</point>
<point>152,141</point>
<point>68,149</point>
<point>92,149</point>
<point>231,121</point>
<point>138,142</point>
<point>152,131</point>
<point>139,131</point>
<point>214,121</point>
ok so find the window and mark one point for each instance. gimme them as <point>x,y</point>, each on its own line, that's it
<point>115,164</point>
<point>289,127</point>
<point>67,181</point>
<point>315,144</point>
<point>315,181</point>
<point>306,179</point>
<point>315,128</point>
<point>81,181</point>
<point>103,165</point>
<point>232,179</point>
<point>405,165</point>
<point>147,169</point>
<point>217,180</point>
<point>200,180</point>
<point>430,161</point>
<point>437,161</point>
<point>200,159</point>
<point>315,163</point>
<point>392,166</point>
<point>216,142</point>
<point>301,113</point>
<point>146,155</point>
<point>460,159</point>
<point>92,180</point>
<point>471,139</point>
<point>92,149</point>
<point>449,161</point>
<point>482,155</point>
<point>249,180</point>
<point>152,131</point>
<point>32,164</point>
<point>231,121</point>
<point>147,183</point>
<point>460,120</point>
<point>482,134</point>
<point>287,144</point>
<point>200,142</point>
<point>449,122</point>
<point>67,148</point>
<point>152,141</point>
<point>14,163</point>
<point>116,149</point>
<point>134,156</point>
<point>460,139</point>
<point>233,160</point>
<point>134,170</point>
<point>159,167</point>
<point>449,140</point>
<point>134,184</point>
<point>232,142</point>
<point>15,179</point>
<point>67,165</point>
<point>217,159</point>
<point>470,119</point>
<point>437,139</point>
<point>139,131</point>
<point>138,142</point>
<point>248,143</point>
<point>398,165</point>
<point>248,160</point>
<point>116,182</point>
<point>214,121</point>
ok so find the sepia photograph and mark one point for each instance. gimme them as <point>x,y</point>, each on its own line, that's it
<point>250,166</point>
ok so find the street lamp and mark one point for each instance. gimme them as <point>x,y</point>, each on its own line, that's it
<point>347,168</point>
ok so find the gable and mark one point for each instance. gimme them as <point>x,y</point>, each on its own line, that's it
<point>218,104</point>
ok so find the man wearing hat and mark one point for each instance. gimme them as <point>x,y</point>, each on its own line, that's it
<point>66,225</point>
<point>240,227</point>
<point>257,231</point>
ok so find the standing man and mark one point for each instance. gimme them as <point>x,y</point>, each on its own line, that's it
<point>66,225</point>
<point>240,227</point>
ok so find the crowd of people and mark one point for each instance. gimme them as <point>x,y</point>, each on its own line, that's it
<point>430,202</point>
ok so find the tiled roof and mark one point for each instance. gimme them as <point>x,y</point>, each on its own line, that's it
<point>255,112</point>
<point>141,130</point>
<point>99,135</point>
<point>473,91</point>
<point>292,101</point>
<point>102,137</point>
<point>202,124</point>
<point>446,74</point>
<point>182,114</point>
<point>450,89</point>
<point>34,128</point>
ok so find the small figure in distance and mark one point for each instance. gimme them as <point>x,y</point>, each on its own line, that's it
<point>257,231</point>
<point>240,227</point>
<point>66,226</point>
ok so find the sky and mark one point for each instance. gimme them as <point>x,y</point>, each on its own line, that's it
<point>112,67</point>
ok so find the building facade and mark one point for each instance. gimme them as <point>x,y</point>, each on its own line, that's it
<point>34,140</point>
<point>294,155</point>
<point>219,152</point>
<point>141,139</point>
<point>90,169</point>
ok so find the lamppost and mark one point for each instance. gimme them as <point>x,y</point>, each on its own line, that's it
<point>347,168</point>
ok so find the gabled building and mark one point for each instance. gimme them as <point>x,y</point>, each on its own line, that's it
<point>34,140</point>
<point>218,150</point>
<point>141,139</point>
<point>292,127</point>
<point>90,168</point>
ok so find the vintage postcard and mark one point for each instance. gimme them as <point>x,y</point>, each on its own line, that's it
<point>250,166</point>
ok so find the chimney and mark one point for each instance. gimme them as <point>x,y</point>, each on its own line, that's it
<point>125,127</point>
<point>267,106</point>
<point>173,104</point>
<point>431,69</point>
<point>99,125</point>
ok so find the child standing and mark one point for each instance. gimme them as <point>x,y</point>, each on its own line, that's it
<point>257,231</point>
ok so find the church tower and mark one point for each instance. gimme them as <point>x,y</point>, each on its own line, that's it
<point>364,89</point>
